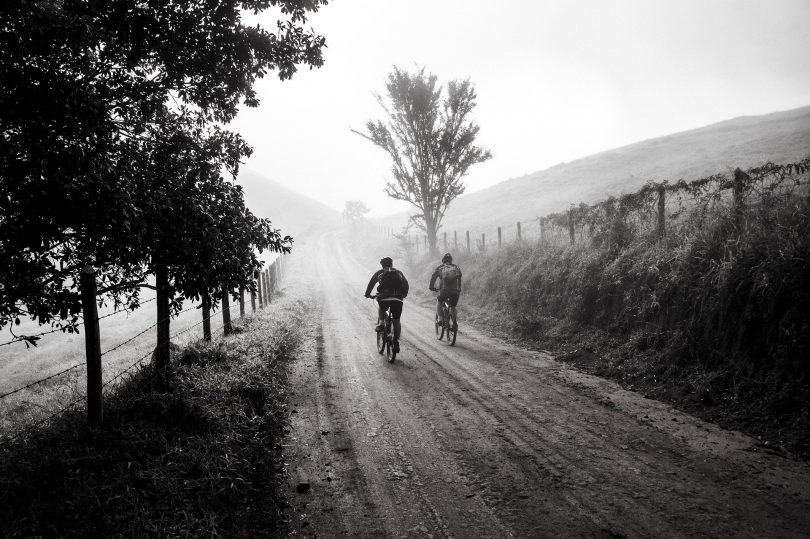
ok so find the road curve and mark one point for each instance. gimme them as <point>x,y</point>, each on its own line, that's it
<point>487,439</point>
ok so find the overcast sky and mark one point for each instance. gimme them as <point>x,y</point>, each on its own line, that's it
<point>556,80</point>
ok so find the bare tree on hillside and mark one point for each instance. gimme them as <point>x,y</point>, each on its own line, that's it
<point>430,138</point>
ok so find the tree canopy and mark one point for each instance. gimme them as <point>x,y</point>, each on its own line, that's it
<point>430,136</point>
<point>355,211</point>
<point>110,153</point>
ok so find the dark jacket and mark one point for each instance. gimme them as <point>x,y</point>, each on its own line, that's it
<point>399,291</point>
<point>437,274</point>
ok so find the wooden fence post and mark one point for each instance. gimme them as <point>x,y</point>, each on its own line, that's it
<point>253,296</point>
<point>499,237</point>
<point>92,343</point>
<point>571,225</point>
<point>241,301</point>
<point>518,231</point>
<point>206,314</point>
<point>483,242</point>
<point>468,242</point>
<point>661,210</point>
<point>455,240</point>
<point>226,312</point>
<point>163,318</point>
<point>260,289</point>
<point>739,204</point>
<point>542,229</point>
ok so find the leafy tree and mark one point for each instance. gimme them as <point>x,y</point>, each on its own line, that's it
<point>81,82</point>
<point>430,137</point>
<point>355,211</point>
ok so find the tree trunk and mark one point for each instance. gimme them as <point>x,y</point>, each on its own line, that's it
<point>227,329</point>
<point>206,313</point>
<point>431,230</point>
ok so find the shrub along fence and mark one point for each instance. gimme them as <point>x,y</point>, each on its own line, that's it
<point>649,211</point>
<point>266,284</point>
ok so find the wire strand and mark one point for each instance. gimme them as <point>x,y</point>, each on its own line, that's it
<point>4,395</point>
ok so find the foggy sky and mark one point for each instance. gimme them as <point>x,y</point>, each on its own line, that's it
<point>556,81</point>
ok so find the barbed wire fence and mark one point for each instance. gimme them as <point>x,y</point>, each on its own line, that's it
<point>649,211</point>
<point>267,283</point>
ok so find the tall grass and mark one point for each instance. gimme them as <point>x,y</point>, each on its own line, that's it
<point>196,455</point>
<point>717,309</point>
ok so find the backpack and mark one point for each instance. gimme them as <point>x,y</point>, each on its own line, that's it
<point>390,280</point>
<point>450,275</point>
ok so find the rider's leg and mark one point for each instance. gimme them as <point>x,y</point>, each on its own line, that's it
<point>380,316</point>
<point>453,301</point>
<point>439,303</point>
<point>396,312</point>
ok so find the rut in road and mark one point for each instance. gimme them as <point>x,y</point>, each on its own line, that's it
<point>491,440</point>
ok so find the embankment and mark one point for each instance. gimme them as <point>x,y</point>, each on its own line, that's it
<point>713,317</point>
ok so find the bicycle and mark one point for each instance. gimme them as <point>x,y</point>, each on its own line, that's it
<point>447,326</point>
<point>385,338</point>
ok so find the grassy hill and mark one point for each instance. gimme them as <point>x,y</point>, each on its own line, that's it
<point>292,212</point>
<point>741,142</point>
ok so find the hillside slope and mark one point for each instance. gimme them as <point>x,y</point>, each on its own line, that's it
<point>295,214</point>
<point>741,142</point>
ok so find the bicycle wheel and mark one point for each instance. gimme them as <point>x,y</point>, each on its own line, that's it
<point>439,328</point>
<point>389,349</point>
<point>452,329</point>
<point>381,342</point>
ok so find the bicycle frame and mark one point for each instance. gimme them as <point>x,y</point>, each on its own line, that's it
<point>385,338</point>
<point>447,326</point>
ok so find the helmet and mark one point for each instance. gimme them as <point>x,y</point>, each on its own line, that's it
<point>386,262</point>
<point>447,258</point>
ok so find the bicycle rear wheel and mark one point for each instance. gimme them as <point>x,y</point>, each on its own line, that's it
<point>452,329</point>
<point>389,349</point>
<point>439,328</point>
<point>381,342</point>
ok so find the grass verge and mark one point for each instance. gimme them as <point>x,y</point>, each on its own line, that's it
<point>713,318</point>
<point>198,454</point>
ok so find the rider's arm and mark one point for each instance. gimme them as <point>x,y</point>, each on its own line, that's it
<point>459,279</point>
<point>405,285</point>
<point>372,282</point>
<point>433,278</point>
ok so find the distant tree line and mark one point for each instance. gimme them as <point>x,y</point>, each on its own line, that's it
<point>112,153</point>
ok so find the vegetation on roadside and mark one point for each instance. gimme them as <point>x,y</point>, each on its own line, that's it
<point>713,316</point>
<point>113,153</point>
<point>197,454</point>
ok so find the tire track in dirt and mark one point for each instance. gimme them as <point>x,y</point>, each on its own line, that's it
<point>487,439</point>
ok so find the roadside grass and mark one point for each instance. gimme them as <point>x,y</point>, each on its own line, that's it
<point>713,318</point>
<point>197,454</point>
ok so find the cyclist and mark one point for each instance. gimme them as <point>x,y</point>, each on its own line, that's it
<point>391,290</point>
<point>450,287</point>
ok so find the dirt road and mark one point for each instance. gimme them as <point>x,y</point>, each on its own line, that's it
<point>486,439</point>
